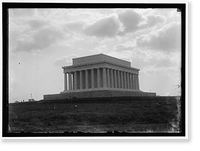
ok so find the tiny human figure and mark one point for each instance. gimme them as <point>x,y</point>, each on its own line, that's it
<point>75,106</point>
<point>54,107</point>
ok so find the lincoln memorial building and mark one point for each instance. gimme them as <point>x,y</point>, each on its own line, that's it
<point>99,76</point>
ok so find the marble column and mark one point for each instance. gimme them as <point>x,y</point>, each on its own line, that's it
<point>135,82</point>
<point>108,77</point>
<point>92,78</point>
<point>125,80</point>
<point>70,81</point>
<point>134,86</point>
<point>65,81</point>
<point>75,80</point>
<point>118,75</point>
<point>131,82</point>
<point>115,82</point>
<point>86,79</point>
<point>98,78</point>
<point>122,80</point>
<point>112,78</point>
<point>81,79</point>
<point>104,78</point>
<point>138,87</point>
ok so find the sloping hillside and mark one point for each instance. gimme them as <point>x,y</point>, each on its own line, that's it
<point>96,115</point>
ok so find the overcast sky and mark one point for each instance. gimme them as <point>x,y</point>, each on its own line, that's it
<point>41,41</point>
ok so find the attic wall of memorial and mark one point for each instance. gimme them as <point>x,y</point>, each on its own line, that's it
<point>100,58</point>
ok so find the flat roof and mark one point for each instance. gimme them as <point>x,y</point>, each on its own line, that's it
<point>100,58</point>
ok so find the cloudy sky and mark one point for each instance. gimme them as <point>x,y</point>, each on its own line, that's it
<point>41,41</point>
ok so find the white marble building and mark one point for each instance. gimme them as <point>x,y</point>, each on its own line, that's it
<point>100,72</point>
<point>99,76</point>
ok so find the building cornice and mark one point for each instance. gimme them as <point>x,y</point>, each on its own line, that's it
<point>103,64</point>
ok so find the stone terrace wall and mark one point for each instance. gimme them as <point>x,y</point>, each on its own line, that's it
<point>94,94</point>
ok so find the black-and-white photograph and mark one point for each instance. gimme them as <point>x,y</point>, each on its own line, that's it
<point>94,69</point>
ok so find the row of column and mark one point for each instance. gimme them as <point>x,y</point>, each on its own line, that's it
<point>100,78</point>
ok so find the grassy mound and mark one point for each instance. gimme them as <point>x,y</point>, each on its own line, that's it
<point>96,115</point>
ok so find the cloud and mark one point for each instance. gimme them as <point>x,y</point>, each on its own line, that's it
<point>106,27</point>
<point>133,21</point>
<point>162,60</point>
<point>166,63</point>
<point>130,20</point>
<point>136,56</point>
<point>39,40</point>
<point>74,26</point>
<point>167,38</point>
<point>124,47</point>
<point>100,49</point>
<point>65,61</point>
<point>145,59</point>
<point>36,24</point>
<point>152,20</point>
<point>126,55</point>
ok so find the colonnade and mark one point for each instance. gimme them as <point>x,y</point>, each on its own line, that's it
<point>100,78</point>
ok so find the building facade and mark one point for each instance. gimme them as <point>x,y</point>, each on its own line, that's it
<point>100,72</point>
<point>100,76</point>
